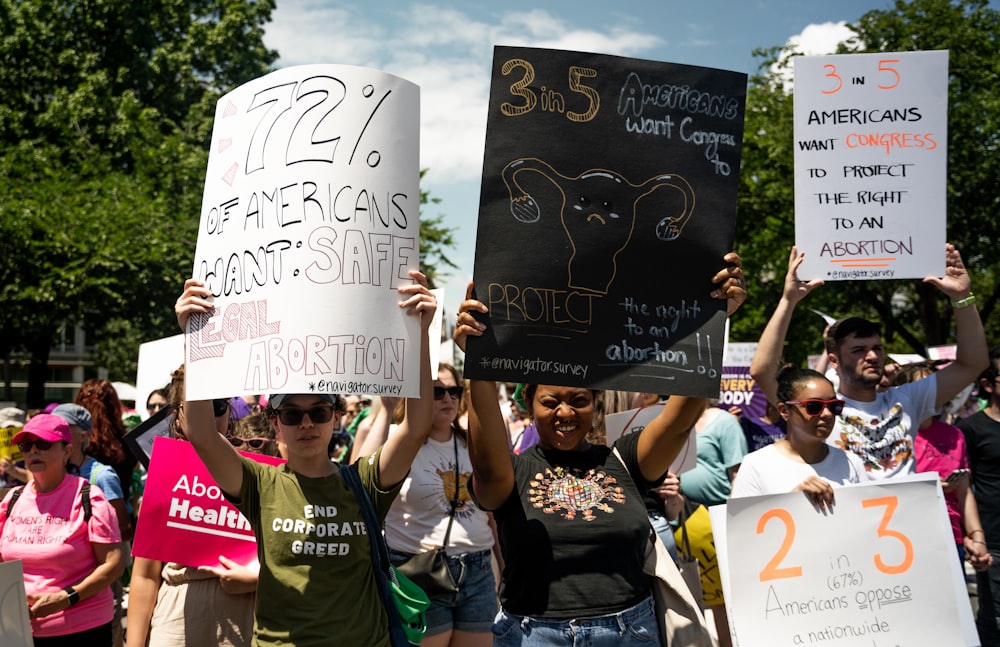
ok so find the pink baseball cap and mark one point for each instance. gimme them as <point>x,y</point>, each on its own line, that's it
<point>45,426</point>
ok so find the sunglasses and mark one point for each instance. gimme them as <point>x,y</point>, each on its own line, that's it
<point>293,415</point>
<point>42,445</point>
<point>156,406</point>
<point>815,407</point>
<point>453,391</point>
<point>252,443</point>
<point>220,407</point>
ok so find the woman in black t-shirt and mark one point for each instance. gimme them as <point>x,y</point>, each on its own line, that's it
<point>572,523</point>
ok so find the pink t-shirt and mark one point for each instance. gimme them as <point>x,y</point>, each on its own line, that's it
<point>48,534</point>
<point>941,448</point>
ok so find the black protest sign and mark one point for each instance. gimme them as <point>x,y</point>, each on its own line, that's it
<point>140,439</point>
<point>608,201</point>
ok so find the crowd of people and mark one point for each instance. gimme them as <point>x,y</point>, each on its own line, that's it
<point>540,528</point>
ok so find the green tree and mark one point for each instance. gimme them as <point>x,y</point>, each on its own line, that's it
<point>104,121</point>
<point>435,240</point>
<point>914,315</point>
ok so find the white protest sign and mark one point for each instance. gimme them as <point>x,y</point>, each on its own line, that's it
<point>15,625</point>
<point>309,225</point>
<point>158,360</point>
<point>880,570</point>
<point>871,148</point>
<point>617,425</point>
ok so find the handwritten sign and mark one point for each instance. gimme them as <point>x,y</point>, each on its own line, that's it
<point>185,518</point>
<point>7,447</point>
<point>608,200</point>
<point>880,570</point>
<point>871,147</point>
<point>309,223</point>
<point>15,625</point>
<point>617,425</point>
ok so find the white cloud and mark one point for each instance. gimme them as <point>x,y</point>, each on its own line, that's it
<point>445,51</point>
<point>817,39</point>
<point>306,31</point>
<point>820,39</point>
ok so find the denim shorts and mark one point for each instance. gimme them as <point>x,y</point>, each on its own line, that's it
<point>473,608</point>
<point>633,627</point>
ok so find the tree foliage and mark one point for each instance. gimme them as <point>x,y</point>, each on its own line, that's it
<point>914,315</point>
<point>104,124</point>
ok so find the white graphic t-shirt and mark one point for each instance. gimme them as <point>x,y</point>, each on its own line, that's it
<point>882,432</point>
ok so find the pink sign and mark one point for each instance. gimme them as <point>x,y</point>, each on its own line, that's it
<point>184,517</point>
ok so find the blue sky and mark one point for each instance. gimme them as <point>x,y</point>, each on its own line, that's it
<point>446,48</point>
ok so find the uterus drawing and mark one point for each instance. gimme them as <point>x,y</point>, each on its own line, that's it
<point>598,211</point>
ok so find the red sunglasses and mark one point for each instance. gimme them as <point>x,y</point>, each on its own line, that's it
<point>815,407</point>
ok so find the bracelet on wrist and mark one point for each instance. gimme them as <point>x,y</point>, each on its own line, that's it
<point>972,532</point>
<point>965,302</point>
<point>72,595</point>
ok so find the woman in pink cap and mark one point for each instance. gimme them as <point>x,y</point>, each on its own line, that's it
<point>66,535</point>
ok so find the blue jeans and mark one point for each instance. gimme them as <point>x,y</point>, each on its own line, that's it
<point>665,532</point>
<point>633,627</point>
<point>473,608</point>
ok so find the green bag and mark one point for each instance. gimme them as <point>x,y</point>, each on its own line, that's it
<point>404,601</point>
<point>411,602</point>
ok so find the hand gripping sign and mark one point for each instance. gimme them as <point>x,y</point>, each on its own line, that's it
<point>880,570</point>
<point>185,518</point>
<point>309,223</point>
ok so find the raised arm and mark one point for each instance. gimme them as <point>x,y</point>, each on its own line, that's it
<point>664,437</point>
<point>771,346</point>
<point>971,350</point>
<point>400,448</point>
<point>221,458</point>
<point>374,431</point>
<point>492,470</point>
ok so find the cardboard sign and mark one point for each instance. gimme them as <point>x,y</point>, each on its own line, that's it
<point>617,425</point>
<point>7,447</point>
<point>15,625</point>
<point>309,225</point>
<point>871,150</point>
<point>880,570</point>
<point>608,201</point>
<point>158,359</point>
<point>184,517</point>
<point>140,439</point>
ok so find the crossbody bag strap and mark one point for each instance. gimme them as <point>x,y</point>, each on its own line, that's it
<point>380,555</point>
<point>652,536</point>
<point>685,542</point>
<point>454,500</point>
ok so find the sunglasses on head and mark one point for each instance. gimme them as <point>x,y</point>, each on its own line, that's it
<point>42,445</point>
<point>815,407</point>
<point>453,391</point>
<point>252,443</point>
<point>293,415</point>
<point>220,406</point>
